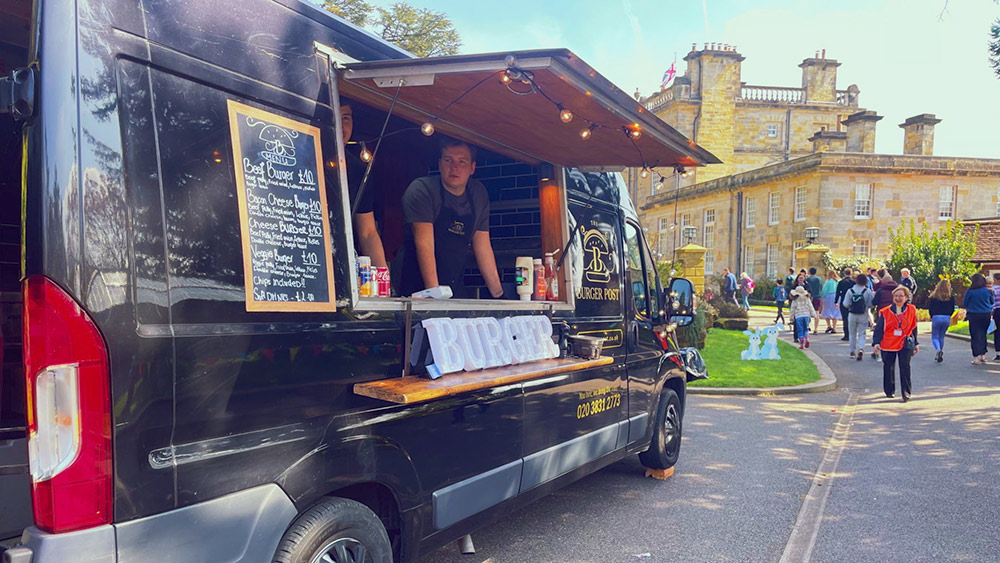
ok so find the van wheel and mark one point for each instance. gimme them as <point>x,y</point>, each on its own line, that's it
<point>337,530</point>
<point>665,447</point>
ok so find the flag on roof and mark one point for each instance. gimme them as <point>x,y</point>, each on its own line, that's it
<point>668,75</point>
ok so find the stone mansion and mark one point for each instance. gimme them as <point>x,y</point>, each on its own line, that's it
<point>796,158</point>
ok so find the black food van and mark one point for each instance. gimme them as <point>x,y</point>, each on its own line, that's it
<point>190,372</point>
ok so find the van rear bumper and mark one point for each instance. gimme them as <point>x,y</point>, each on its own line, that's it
<point>243,527</point>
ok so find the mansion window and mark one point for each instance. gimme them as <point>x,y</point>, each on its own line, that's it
<point>772,261</point>
<point>773,207</point>
<point>772,130</point>
<point>685,220</point>
<point>795,250</point>
<point>709,230</point>
<point>800,203</point>
<point>863,201</point>
<point>863,247</point>
<point>748,260</point>
<point>752,212</point>
<point>946,203</point>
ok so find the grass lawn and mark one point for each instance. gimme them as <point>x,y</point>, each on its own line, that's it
<point>960,328</point>
<point>726,369</point>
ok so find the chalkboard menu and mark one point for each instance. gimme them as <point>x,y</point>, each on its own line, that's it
<point>287,261</point>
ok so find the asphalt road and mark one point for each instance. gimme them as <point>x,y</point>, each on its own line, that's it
<point>846,475</point>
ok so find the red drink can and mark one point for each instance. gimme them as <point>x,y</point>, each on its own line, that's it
<point>382,282</point>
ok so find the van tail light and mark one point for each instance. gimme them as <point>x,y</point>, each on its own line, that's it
<point>69,411</point>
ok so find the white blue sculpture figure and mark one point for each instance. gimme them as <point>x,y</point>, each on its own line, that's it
<point>769,351</point>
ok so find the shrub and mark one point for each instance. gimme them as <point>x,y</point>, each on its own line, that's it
<point>728,310</point>
<point>923,315</point>
<point>695,333</point>
<point>764,290</point>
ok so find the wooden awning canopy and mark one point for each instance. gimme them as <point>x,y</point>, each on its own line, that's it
<point>524,126</point>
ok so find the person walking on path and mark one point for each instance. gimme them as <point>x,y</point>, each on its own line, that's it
<point>830,311</point>
<point>896,339</point>
<point>815,288</point>
<point>780,294</point>
<point>802,310</point>
<point>728,286</point>
<point>940,306</point>
<point>847,282</point>
<point>790,279</point>
<point>883,293</point>
<point>746,290</point>
<point>857,300</point>
<point>996,316</point>
<point>906,281</point>
<point>978,304</point>
<point>800,281</point>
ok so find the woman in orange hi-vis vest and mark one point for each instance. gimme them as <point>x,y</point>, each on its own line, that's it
<point>895,324</point>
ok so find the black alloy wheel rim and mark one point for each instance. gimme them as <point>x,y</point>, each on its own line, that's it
<point>344,550</point>
<point>671,429</point>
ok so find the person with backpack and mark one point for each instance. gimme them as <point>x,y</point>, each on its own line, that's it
<point>857,300</point>
<point>780,294</point>
<point>896,339</point>
<point>847,282</point>
<point>746,289</point>
<point>801,310</point>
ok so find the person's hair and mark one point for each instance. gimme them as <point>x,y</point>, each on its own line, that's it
<point>812,271</point>
<point>846,272</point>
<point>781,281</point>
<point>791,270</point>
<point>448,142</point>
<point>881,273</point>
<point>861,279</point>
<point>904,289</point>
<point>831,275</point>
<point>996,276</point>
<point>942,292</point>
<point>978,280</point>
<point>870,270</point>
<point>345,102</point>
<point>886,278</point>
<point>904,271</point>
<point>744,275</point>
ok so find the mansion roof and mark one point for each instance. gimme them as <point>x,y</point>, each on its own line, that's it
<point>837,162</point>
<point>988,243</point>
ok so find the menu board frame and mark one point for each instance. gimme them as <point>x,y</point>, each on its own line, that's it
<point>236,110</point>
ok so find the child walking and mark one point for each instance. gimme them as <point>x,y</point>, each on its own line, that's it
<point>780,295</point>
<point>802,311</point>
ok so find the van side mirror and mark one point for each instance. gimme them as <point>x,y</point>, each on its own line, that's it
<point>678,300</point>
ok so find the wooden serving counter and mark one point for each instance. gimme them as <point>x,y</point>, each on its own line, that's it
<point>411,389</point>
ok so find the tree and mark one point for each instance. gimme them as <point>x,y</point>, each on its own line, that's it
<point>928,254</point>
<point>994,46</point>
<point>425,33</point>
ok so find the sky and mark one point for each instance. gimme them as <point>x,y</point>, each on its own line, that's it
<point>908,57</point>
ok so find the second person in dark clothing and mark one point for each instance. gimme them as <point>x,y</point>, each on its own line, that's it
<point>895,323</point>
<point>978,304</point>
<point>940,306</point>
<point>845,283</point>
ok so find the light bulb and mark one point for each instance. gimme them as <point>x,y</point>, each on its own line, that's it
<point>505,77</point>
<point>658,185</point>
<point>565,115</point>
<point>645,172</point>
<point>635,133</point>
<point>585,133</point>
<point>366,155</point>
<point>427,128</point>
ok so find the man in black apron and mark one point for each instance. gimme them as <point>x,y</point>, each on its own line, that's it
<point>446,215</point>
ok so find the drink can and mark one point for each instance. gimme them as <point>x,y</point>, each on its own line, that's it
<point>382,281</point>
<point>364,276</point>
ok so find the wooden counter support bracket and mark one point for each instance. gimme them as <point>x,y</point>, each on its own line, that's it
<point>412,389</point>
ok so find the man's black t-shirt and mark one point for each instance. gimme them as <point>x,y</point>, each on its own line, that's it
<point>424,197</point>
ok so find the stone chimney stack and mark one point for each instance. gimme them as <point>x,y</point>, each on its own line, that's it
<point>714,73</point>
<point>861,131</point>
<point>819,78</point>
<point>918,134</point>
<point>829,141</point>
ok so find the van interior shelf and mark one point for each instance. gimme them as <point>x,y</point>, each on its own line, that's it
<point>412,389</point>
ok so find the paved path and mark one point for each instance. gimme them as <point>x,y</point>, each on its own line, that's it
<point>841,476</point>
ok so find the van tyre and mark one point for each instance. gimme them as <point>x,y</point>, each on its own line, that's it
<point>665,447</point>
<point>336,530</point>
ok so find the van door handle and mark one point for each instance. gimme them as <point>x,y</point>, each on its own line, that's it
<point>633,335</point>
